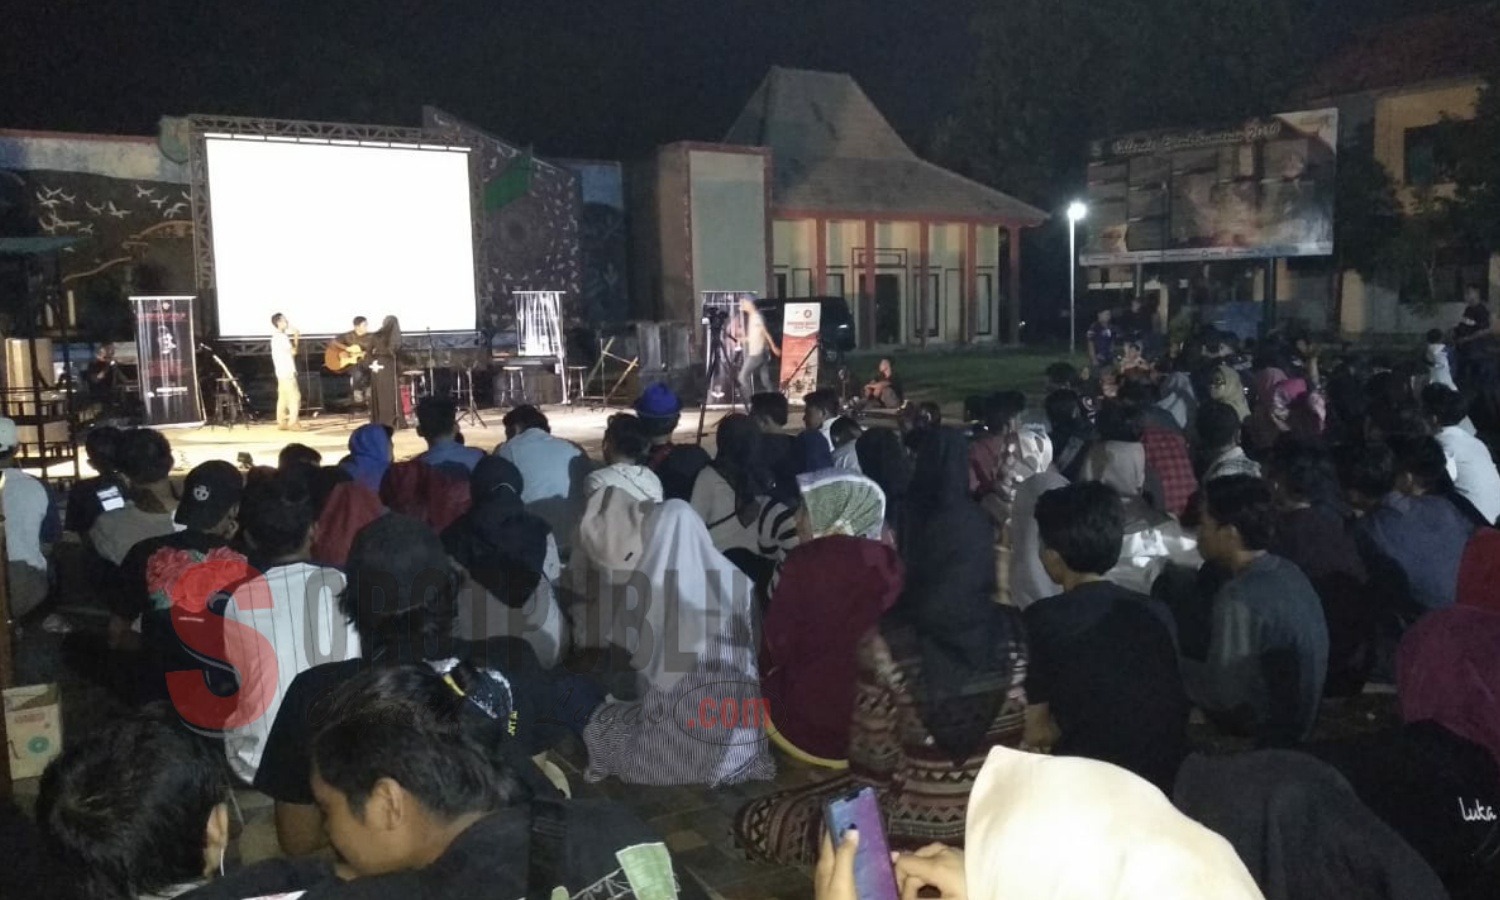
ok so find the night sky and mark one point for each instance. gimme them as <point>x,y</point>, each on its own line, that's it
<point>586,78</point>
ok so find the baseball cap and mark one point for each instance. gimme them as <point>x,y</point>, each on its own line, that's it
<point>209,492</point>
<point>658,402</point>
<point>10,437</point>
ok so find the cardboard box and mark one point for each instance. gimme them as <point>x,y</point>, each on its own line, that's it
<point>33,728</point>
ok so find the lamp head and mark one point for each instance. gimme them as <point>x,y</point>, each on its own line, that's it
<point>1077,211</point>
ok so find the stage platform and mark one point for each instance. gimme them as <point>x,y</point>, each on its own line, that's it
<point>329,435</point>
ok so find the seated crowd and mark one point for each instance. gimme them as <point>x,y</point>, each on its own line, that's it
<point>1035,638</point>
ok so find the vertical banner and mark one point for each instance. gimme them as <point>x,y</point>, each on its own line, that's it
<point>800,325</point>
<point>724,327</point>
<point>167,347</point>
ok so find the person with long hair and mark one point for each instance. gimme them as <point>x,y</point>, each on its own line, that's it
<point>940,680</point>
<point>733,495</point>
<point>385,397</point>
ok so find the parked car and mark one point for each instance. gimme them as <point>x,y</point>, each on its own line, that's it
<point>836,331</point>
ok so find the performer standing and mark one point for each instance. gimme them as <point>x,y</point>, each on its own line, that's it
<point>385,398</point>
<point>284,342</point>
<point>759,348</point>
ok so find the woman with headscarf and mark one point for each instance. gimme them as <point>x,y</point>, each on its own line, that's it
<point>1178,399</point>
<point>1224,385</point>
<point>733,496</point>
<point>883,460</point>
<point>370,453</point>
<point>1068,828</point>
<point>695,718</point>
<point>1028,581</point>
<point>939,679</point>
<point>833,587</point>
<point>511,559</point>
<point>1263,426</point>
<point>385,396</point>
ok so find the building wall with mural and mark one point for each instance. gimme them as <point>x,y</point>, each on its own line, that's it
<point>528,224</point>
<point>124,200</point>
<point>603,240</point>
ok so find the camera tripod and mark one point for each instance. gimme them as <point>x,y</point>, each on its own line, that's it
<point>715,366</point>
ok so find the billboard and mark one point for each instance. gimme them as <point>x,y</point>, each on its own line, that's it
<point>1263,188</point>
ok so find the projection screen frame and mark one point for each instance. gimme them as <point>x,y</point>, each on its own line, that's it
<point>201,127</point>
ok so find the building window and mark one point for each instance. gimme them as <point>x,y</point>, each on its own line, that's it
<point>802,282</point>
<point>836,284</point>
<point>1453,267</point>
<point>1433,151</point>
<point>984,309</point>
<point>781,284</point>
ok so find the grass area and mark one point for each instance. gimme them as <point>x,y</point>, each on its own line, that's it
<point>948,376</point>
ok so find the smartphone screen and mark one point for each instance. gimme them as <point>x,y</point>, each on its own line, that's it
<point>873,876</point>
<point>110,498</point>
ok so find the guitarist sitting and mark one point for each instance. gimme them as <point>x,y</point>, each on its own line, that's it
<point>347,352</point>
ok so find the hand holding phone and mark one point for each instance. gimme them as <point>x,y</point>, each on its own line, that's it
<point>874,879</point>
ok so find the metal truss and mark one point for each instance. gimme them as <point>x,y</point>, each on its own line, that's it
<point>315,346</point>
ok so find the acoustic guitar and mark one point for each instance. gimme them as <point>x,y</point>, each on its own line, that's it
<point>340,357</point>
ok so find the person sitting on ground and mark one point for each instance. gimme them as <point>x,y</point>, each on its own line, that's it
<point>1225,386</point>
<point>1312,532</point>
<point>402,597</point>
<point>1268,641</point>
<point>820,409</point>
<point>884,390</point>
<point>994,457</point>
<point>437,424</point>
<point>627,449</point>
<point>138,809</point>
<point>282,623</point>
<point>1219,443</point>
<point>297,455</point>
<point>1029,581</point>
<point>939,680</point>
<point>676,465</point>
<point>691,638</point>
<point>1132,360</point>
<point>1411,543</point>
<point>1039,826</point>
<point>845,432</point>
<point>414,771</point>
<point>344,508</point>
<point>779,451</point>
<point>146,468</point>
<point>84,507</point>
<point>26,507</point>
<point>1072,435</point>
<point>833,587</point>
<point>1472,467</point>
<point>883,460</point>
<point>917,421</point>
<point>1168,460</point>
<point>733,497</point>
<point>371,449</point>
<point>552,469</point>
<point>1102,678</point>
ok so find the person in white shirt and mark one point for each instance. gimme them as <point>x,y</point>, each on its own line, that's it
<point>284,622</point>
<point>1469,461</point>
<point>145,465</point>
<point>1438,369</point>
<point>553,471</point>
<point>24,503</point>
<point>284,341</point>
<point>759,349</point>
<point>627,447</point>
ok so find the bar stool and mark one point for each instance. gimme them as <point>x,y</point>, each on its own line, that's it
<point>574,377</point>
<point>513,387</point>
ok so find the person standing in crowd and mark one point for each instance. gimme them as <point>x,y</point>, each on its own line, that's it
<point>1102,680</point>
<point>760,348</point>
<point>1473,468</point>
<point>25,504</point>
<point>1475,342</point>
<point>146,466</point>
<point>627,449</point>
<point>103,379</point>
<point>284,342</point>
<point>1101,338</point>
<point>1268,642</point>
<point>1219,443</point>
<point>437,424</point>
<point>385,367</point>
<point>553,471</point>
<point>282,623</point>
<point>676,465</point>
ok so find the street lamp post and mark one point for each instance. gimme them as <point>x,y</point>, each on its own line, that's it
<point>1076,211</point>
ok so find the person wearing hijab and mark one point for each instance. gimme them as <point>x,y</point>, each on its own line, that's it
<point>349,508</point>
<point>385,353</point>
<point>1224,385</point>
<point>1065,828</point>
<point>939,679</point>
<point>370,454</point>
<point>883,460</point>
<point>689,640</point>
<point>1028,579</point>
<point>995,466</point>
<point>733,497</point>
<point>1178,399</point>
<point>833,587</point>
<point>1263,426</point>
<point>511,560</point>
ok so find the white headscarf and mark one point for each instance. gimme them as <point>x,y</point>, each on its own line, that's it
<point>1068,828</point>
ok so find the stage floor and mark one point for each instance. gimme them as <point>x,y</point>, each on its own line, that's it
<point>329,435</point>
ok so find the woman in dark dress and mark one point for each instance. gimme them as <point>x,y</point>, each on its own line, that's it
<point>385,397</point>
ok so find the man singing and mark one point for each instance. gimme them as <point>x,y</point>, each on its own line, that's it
<point>759,347</point>
<point>284,342</point>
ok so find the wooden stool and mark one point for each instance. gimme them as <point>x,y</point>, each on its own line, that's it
<point>513,386</point>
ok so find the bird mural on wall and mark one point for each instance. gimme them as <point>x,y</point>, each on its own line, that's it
<point>175,210</point>
<point>96,210</point>
<point>158,202</point>
<point>117,212</point>
<point>144,192</point>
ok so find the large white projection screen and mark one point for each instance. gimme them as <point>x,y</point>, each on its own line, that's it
<point>326,232</point>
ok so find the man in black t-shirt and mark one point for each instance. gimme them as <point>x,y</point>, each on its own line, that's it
<point>359,373</point>
<point>1102,680</point>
